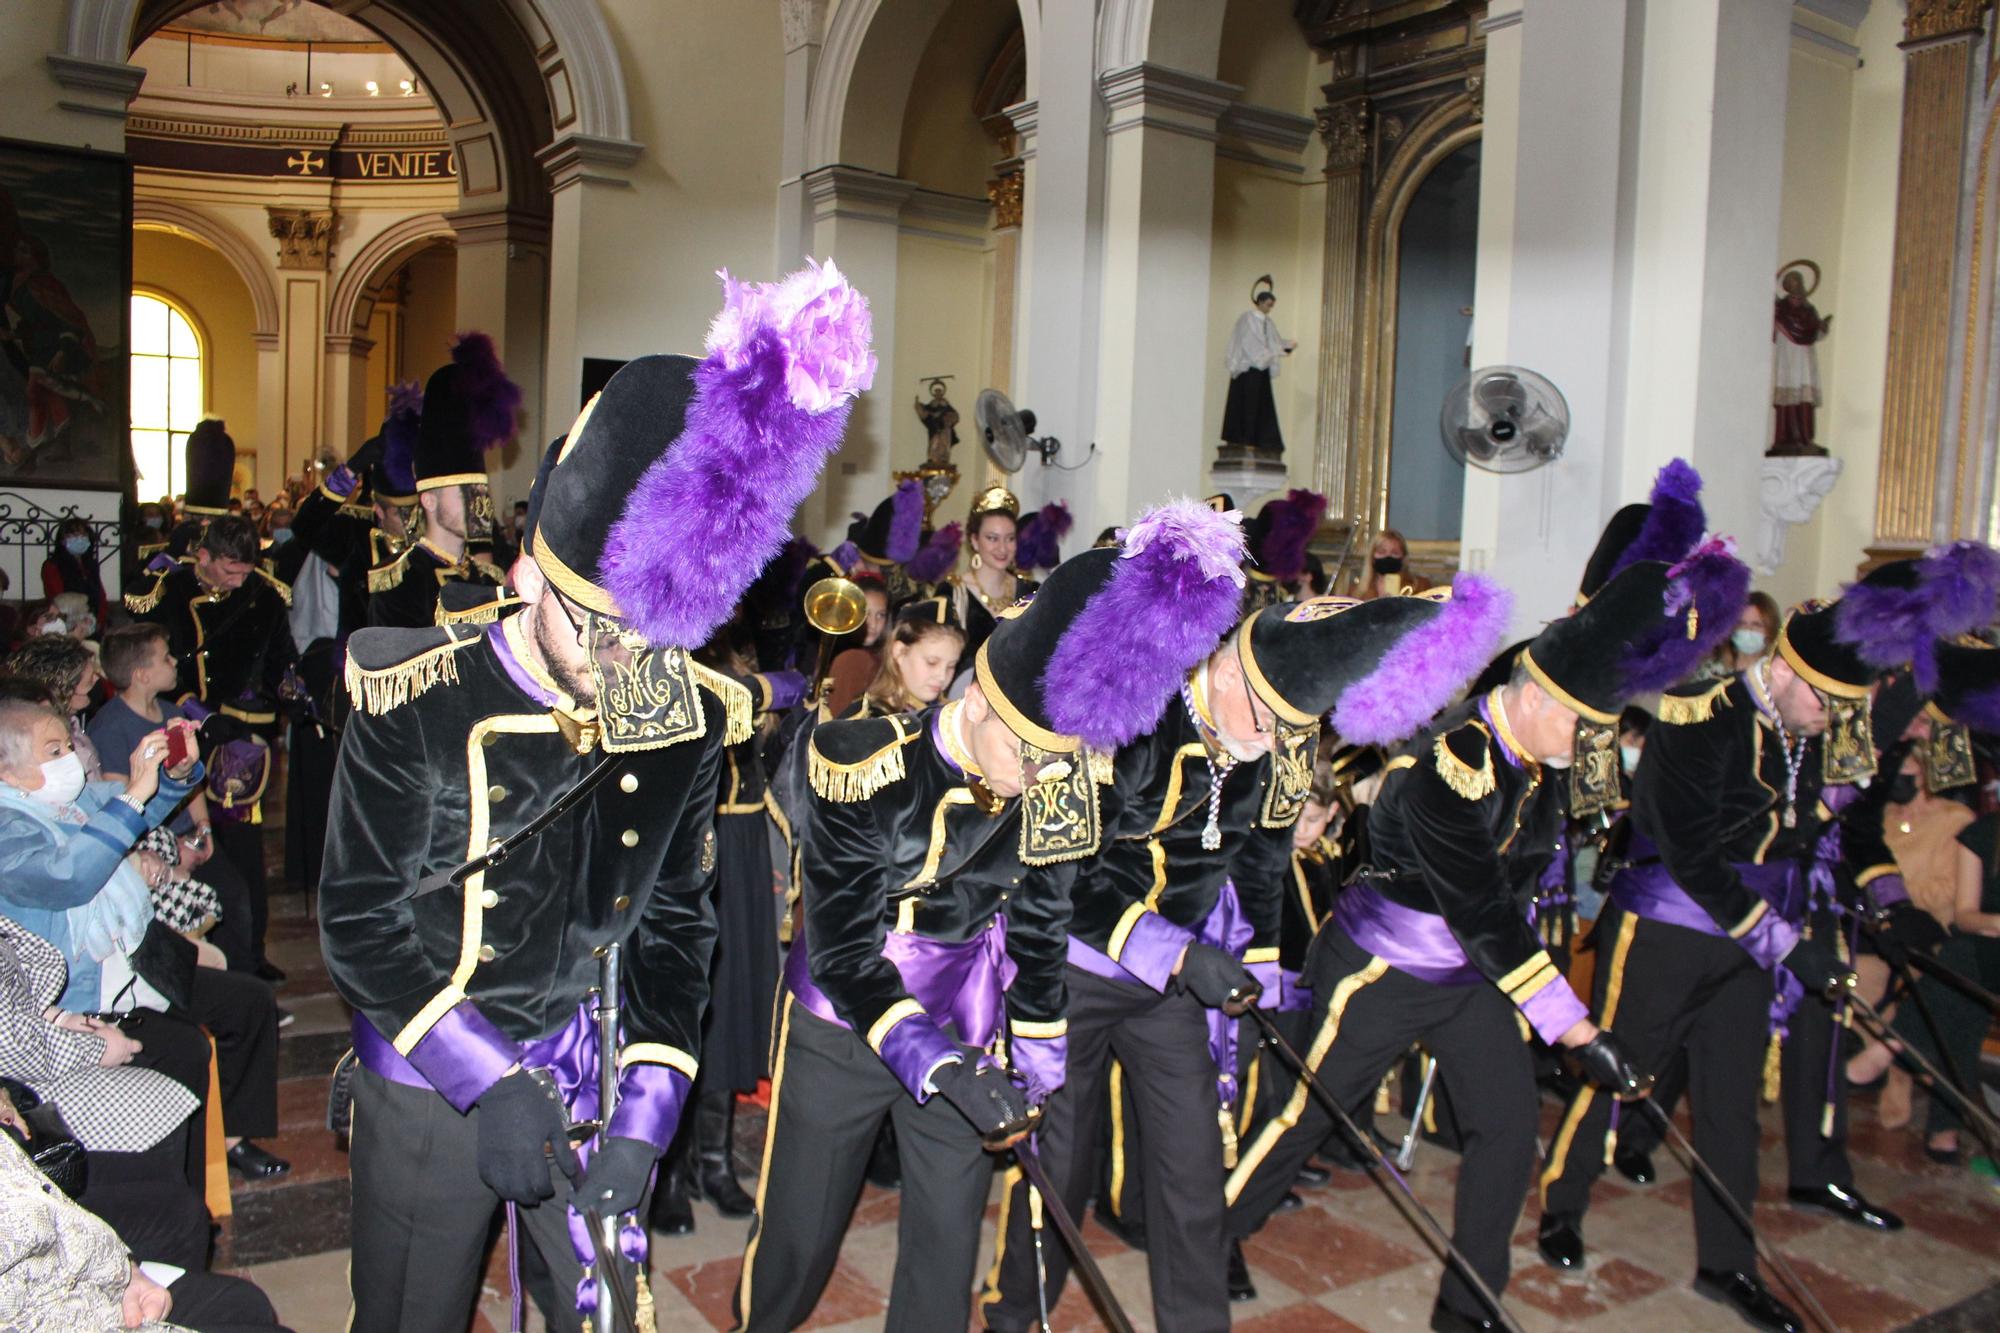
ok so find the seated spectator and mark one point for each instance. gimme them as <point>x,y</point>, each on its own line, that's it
<point>65,1271</point>
<point>1388,569</point>
<point>66,874</point>
<point>72,568</point>
<point>67,669</point>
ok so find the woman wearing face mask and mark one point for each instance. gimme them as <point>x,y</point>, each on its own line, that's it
<point>1388,569</point>
<point>72,567</point>
<point>1756,629</point>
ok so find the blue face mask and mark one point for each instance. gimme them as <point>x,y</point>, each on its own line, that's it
<point>279,536</point>
<point>1628,758</point>
<point>1747,642</point>
<point>77,546</point>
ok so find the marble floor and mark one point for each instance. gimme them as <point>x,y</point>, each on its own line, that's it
<point>1346,1260</point>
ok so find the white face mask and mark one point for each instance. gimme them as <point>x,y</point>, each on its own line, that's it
<point>62,780</point>
<point>1748,642</point>
<point>1628,759</point>
<point>55,625</point>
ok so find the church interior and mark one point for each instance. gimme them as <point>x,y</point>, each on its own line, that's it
<point>272,212</point>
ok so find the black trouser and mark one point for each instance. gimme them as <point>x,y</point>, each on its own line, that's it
<point>235,933</point>
<point>243,844</point>
<point>1963,1020</point>
<point>144,1197</point>
<point>1365,1015</point>
<point>1660,988</point>
<point>422,1215</point>
<point>829,1094</point>
<point>241,1014</point>
<point>218,1303</point>
<point>1162,1042</point>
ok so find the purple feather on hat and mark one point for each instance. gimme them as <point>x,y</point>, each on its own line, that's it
<point>1039,545</point>
<point>492,401</point>
<point>1956,591</point>
<point>906,520</point>
<point>1293,521</point>
<point>1675,522</point>
<point>935,559</point>
<point>771,400</point>
<point>1174,592</point>
<point>406,400</point>
<point>1712,585</point>
<point>399,439</point>
<point>1427,666</point>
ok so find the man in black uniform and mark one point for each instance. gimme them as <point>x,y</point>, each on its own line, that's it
<point>1431,941</point>
<point>469,408</point>
<point>938,851</point>
<point>1176,923</point>
<point>473,1025</point>
<point>1725,810</point>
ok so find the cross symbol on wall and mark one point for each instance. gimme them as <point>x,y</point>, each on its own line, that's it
<point>304,162</point>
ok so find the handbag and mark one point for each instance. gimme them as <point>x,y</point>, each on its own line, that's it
<point>50,1145</point>
<point>166,962</point>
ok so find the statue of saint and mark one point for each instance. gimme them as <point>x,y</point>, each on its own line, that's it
<point>1250,414</point>
<point>1797,328</point>
<point>940,420</point>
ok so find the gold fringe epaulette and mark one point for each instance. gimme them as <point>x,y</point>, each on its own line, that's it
<point>485,613</point>
<point>738,707</point>
<point>1684,710</point>
<point>1102,770</point>
<point>1474,784</point>
<point>845,783</point>
<point>376,692</point>
<point>139,603</point>
<point>384,577</point>
<point>282,588</point>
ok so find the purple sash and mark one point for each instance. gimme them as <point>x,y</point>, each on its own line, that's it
<point>963,982</point>
<point>1226,929</point>
<point>1419,943</point>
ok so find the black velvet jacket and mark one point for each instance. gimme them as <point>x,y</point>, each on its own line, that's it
<point>470,758</point>
<point>404,592</point>
<point>1153,861</point>
<point>1460,832</point>
<point>910,850</point>
<point>233,649</point>
<point>1309,897</point>
<point>1710,795</point>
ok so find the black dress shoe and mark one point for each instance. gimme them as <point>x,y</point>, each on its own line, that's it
<point>1241,1288</point>
<point>271,972</point>
<point>1312,1177</point>
<point>1848,1206</point>
<point>1635,1166</point>
<point>1289,1201</point>
<point>253,1163</point>
<point>1561,1240</point>
<point>1444,1319</point>
<point>1753,1302</point>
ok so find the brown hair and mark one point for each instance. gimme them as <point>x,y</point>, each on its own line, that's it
<point>55,660</point>
<point>125,648</point>
<point>887,692</point>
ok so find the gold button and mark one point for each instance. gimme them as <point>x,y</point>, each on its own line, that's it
<point>599,951</point>
<point>629,783</point>
<point>489,900</point>
<point>621,903</point>
<point>496,792</point>
<point>486,953</point>
<point>630,837</point>
<point>489,738</point>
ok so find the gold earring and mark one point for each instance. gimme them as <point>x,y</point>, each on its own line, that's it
<point>976,562</point>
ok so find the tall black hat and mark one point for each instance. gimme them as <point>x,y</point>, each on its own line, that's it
<point>1382,668</point>
<point>890,535</point>
<point>1665,528</point>
<point>1094,657</point>
<point>469,408</point>
<point>211,469</point>
<point>1645,630</point>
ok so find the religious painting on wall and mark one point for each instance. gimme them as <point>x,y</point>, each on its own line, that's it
<point>65,281</point>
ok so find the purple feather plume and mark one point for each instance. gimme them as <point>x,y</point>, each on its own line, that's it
<point>1039,544</point>
<point>1426,667</point>
<point>1711,582</point>
<point>1978,709</point>
<point>1675,523</point>
<point>906,520</point>
<point>771,400</point>
<point>1293,522</point>
<point>1890,622</point>
<point>845,556</point>
<point>406,400</point>
<point>1174,592</point>
<point>492,401</point>
<point>935,559</point>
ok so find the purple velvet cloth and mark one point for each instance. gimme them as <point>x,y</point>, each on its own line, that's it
<point>510,663</point>
<point>1554,1010</point>
<point>1228,929</point>
<point>786,688</point>
<point>462,1055</point>
<point>650,1098</point>
<point>1649,891</point>
<point>1041,1062</point>
<point>341,481</point>
<point>1419,943</point>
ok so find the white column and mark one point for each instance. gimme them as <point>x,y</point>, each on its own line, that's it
<point>502,291</point>
<point>804,23</point>
<point>855,217</point>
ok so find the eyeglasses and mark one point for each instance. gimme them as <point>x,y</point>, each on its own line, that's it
<point>1257,715</point>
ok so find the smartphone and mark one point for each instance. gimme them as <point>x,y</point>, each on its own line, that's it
<point>177,747</point>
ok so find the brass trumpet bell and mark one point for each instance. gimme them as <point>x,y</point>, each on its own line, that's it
<point>836,606</point>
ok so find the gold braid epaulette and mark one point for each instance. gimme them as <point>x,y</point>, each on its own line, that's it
<point>1474,784</point>
<point>376,692</point>
<point>485,613</point>
<point>283,588</point>
<point>1102,771</point>
<point>384,577</point>
<point>737,705</point>
<point>845,783</point>
<point>139,603</point>
<point>1684,710</point>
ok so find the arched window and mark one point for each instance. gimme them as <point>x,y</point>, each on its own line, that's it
<point>166,392</point>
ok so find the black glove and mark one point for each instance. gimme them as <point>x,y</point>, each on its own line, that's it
<point>616,1177</point>
<point>1607,1064</point>
<point>521,1124</point>
<point>1217,979</point>
<point>1817,968</point>
<point>985,1096</point>
<point>1906,929</point>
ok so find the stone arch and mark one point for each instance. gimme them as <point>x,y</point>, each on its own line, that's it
<point>226,241</point>
<point>1176,34</point>
<point>361,281</point>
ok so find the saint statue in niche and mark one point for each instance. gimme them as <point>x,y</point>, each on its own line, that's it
<point>1796,330</point>
<point>1250,414</point>
<point>940,420</point>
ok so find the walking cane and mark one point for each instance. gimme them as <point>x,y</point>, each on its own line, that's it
<point>1964,985</point>
<point>604,1230</point>
<point>1407,1154</point>
<point>1693,1161</point>
<point>1086,1266</point>
<point>1432,1231</point>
